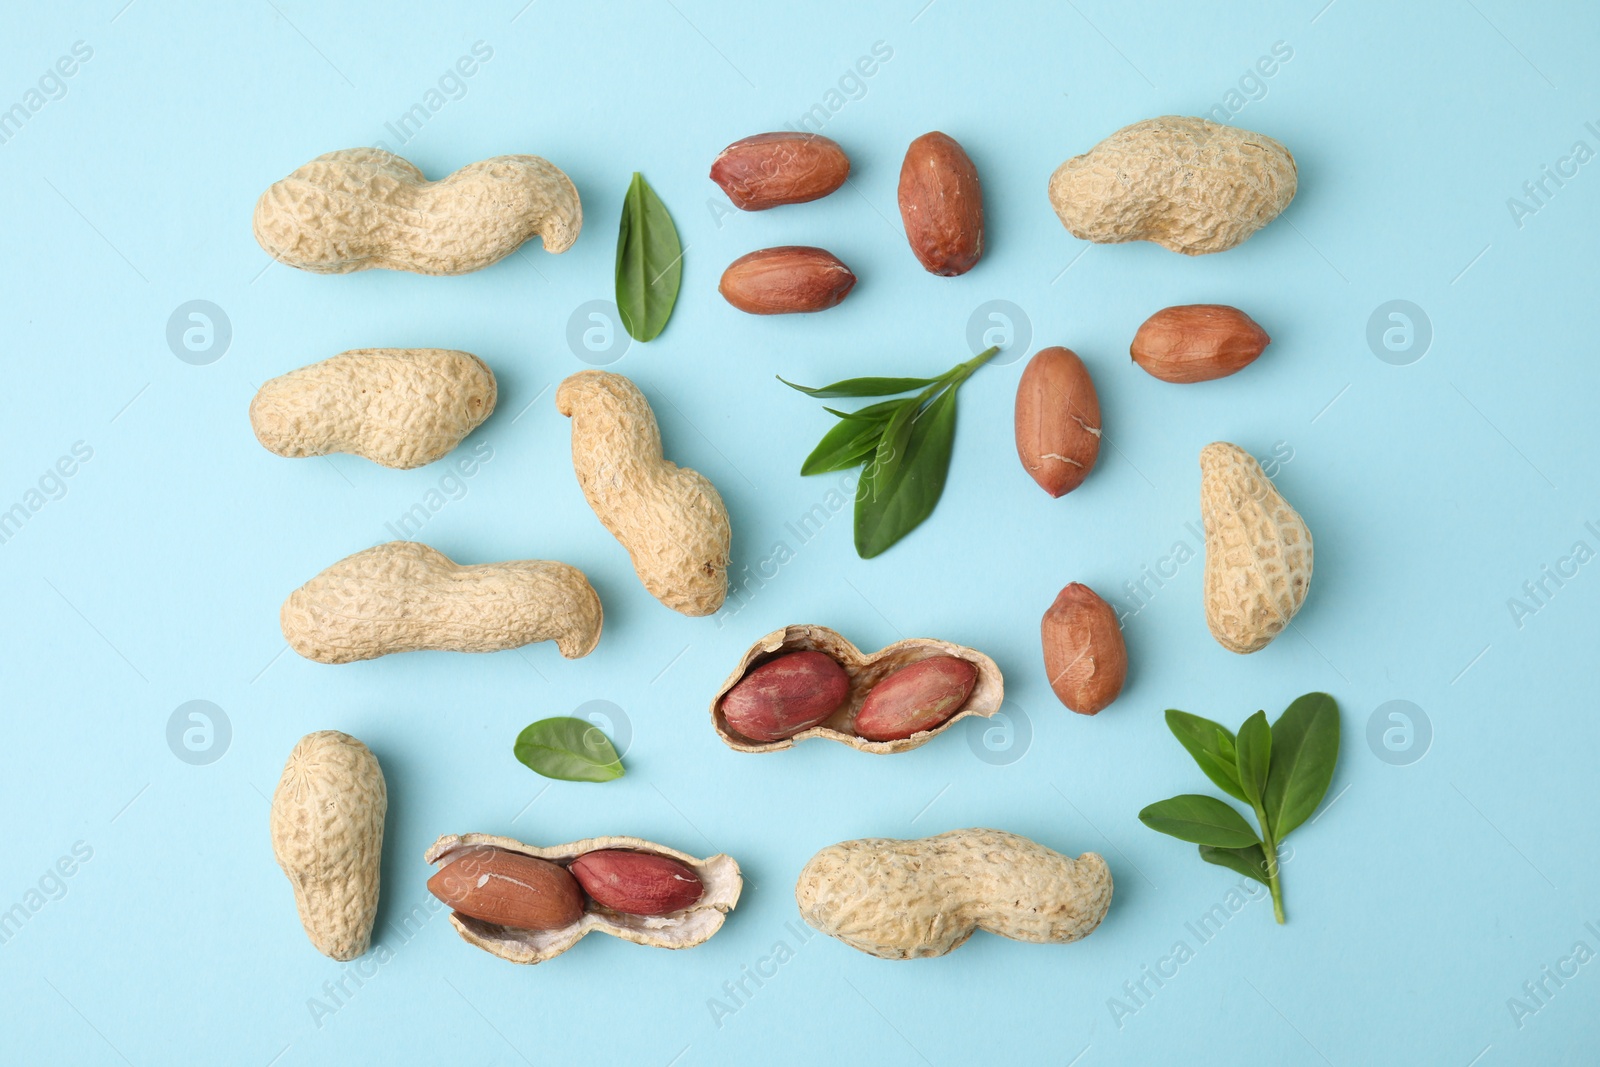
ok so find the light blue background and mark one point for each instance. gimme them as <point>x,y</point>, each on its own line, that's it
<point>1423,900</point>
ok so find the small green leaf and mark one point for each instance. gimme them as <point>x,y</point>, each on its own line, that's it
<point>1305,748</point>
<point>1201,819</point>
<point>1253,756</point>
<point>649,262</point>
<point>862,387</point>
<point>571,749</point>
<point>1250,861</point>
<point>1212,746</point>
<point>847,445</point>
<point>905,490</point>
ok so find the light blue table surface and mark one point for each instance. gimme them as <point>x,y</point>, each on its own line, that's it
<point>1436,906</point>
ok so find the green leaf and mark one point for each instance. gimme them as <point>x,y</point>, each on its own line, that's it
<point>1305,748</point>
<point>649,262</point>
<point>573,750</point>
<point>873,412</point>
<point>906,487</point>
<point>847,445</point>
<point>862,387</point>
<point>1250,861</point>
<point>1253,756</point>
<point>1212,746</point>
<point>1201,819</point>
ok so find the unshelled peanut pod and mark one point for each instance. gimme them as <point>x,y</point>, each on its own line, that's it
<point>902,900</point>
<point>327,835</point>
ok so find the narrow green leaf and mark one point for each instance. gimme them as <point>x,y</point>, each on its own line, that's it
<point>847,445</point>
<point>1250,861</point>
<point>873,412</point>
<point>862,387</point>
<point>1305,749</point>
<point>905,492</point>
<point>1201,819</point>
<point>649,262</point>
<point>1253,756</point>
<point>571,749</point>
<point>1212,746</point>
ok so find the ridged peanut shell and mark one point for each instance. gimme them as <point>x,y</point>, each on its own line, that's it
<point>681,929</point>
<point>1258,550</point>
<point>404,596</point>
<point>327,834</point>
<point>400,407</point>
<point>360,208</point>
<point>670,518</point>
<point>1188,184</point>
<point>864,671</point>
<point>901,900</point>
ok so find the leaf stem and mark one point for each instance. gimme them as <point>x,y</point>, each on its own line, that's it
<point>1270,847</point>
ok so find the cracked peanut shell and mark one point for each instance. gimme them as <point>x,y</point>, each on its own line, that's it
<point>399,407</point>
<point>719,875</point>
<point>1188,184</point>
<point>360,208</point>
<point>901,900</point>
<point>864,671</point>
<point>327,835</point>
<point>404,596</point>
<point>670,518</point>
<point>1258,550</point>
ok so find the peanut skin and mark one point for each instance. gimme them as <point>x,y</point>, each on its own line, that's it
<point>1084,654</point>
<point>1057,421</point>
<point>917,697</point>
<point>1197,343</point>
<point>636,883</point>
<point>785,695</point>
<point>772,169</point>
<point>495,885</point>
<point>941,204</point>
<point>786,280</point>
<point>361,208</point>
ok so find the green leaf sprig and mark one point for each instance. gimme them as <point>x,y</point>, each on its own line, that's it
<point>570,749</point>
<point>649,262</point>
<point>1282,771</point>
<point>903,447</point>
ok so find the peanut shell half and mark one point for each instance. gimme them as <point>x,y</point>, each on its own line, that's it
<point>865,671</point>
<point>683,929</point>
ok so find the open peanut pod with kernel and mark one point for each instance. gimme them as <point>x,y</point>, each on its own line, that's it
<point>808,681</point>
<point>529,904</point>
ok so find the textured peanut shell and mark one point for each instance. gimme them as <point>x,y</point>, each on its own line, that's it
<point>360,208</point>
<point>680,929</point>
<point>404,596</point>
<point>902,900</point>
<point>327,834</point>
<point>401,407</point>
<point>1258,550</point>
<point>1189,185</point>
<point>864,671</point>
<point>669,518</point>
